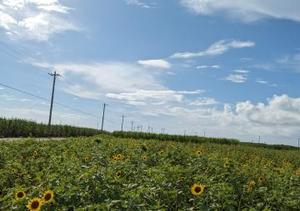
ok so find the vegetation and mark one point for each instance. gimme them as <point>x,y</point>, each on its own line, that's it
<point>10,128</point>
<point>109,173</point>
<point>22,128</point>
<point>195,139</point>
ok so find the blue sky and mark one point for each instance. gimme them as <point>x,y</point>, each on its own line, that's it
<point>229,68</point>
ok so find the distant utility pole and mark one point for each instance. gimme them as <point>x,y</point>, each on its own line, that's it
<point>132,122</point>
<point>54,75</point>
<point>299,143</point>
<point>122,124</point>
<point>103,115</point>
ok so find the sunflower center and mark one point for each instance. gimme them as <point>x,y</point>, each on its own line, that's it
<point>20,195</point>
<point>35,205</point>
<point>198,189</point>
<point>47,197</point>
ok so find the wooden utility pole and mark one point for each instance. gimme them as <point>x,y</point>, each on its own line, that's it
<point>122,124</point>
<point>103,115</point>
<point>54,75</point>
<point>132,125</point>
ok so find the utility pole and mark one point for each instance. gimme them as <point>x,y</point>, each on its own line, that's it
<point>103,115</point>
<point>54,75</point>
<point>299,143</point>
<point>132,126</point>
<point>122,124</point>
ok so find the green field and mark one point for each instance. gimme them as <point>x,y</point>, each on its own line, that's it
<point>109,173</point>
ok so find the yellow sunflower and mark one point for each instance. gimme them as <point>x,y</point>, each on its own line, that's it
<point>20,195</point>
<point>298,172</point>
<point>145,158</point>
<point>197,189</point>
<point>262,179</point>
<point>114,158</point>
<point>226,164</point>
<point>199,152</point>
<point>119,174</point>
<point>87,158</point>
<point>35,153</point>
<point>117,157</point>
<point>35,204</point>
<point>250,186</point>
<point>48,197</point>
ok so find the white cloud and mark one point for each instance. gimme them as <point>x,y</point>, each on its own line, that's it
<point>157,63</point>
<point>289,62</point>
<point>280,111</point>
<point>236,78</point>
<point>208,67</point>
<point>204,101</point>
<point>129,83</point>
<point>139,3</point>
<point>262,82</point>
<point>153,96</point>
<point>277,120</point>
<point>34,19</point>
<point>266,83</point>
<point>107,77</point>
<point>246,11</point>
<point>241,71</point>
<point>9,97</point>
<point>215,49</point>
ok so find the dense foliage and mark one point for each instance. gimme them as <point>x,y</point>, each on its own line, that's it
<point>195,139</point>
<point>107,173</point>
<point>176,138</point>
<point>23,128</point>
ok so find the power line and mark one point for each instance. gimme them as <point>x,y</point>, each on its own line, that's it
<point>23,92</point>
<point>45,99</point>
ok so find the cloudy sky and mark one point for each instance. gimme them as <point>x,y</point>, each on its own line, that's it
<point>229,68</point>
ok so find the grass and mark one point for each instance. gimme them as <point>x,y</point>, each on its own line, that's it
<point>109,173</point>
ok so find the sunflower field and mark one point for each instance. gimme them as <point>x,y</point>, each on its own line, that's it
<point>110,173</point>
